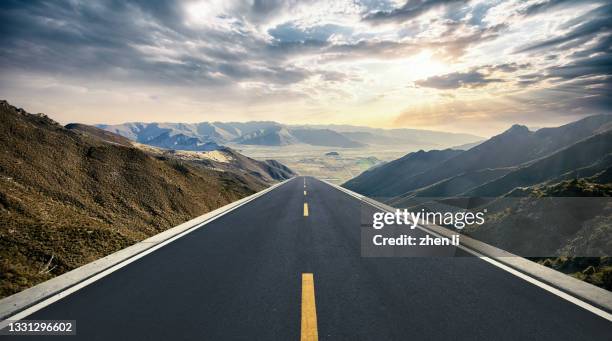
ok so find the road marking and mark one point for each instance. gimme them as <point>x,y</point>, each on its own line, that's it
<point>305,209</point>
<point>309,309</point>
<point>304,192</point>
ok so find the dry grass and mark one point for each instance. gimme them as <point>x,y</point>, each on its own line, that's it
<point>68,198</point>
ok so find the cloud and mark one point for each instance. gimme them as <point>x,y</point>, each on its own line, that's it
<point>410,10</point>
<point>546,5</point>
<point>455,80</point>
<point>474,78</point>
<point>309,55</point>
<point>580,30</point>
<point>149,42</point>
<point>291,32</point>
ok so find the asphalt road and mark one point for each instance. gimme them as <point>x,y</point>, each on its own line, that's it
<point>240,278</point>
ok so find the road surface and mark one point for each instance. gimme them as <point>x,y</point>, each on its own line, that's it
<point>288,265</point>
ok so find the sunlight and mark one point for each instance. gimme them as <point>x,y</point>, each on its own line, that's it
<point>424,65</point>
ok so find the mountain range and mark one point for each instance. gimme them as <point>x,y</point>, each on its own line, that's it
<point>517,157</point>
<point>74,194</point>
<point>208,135</point>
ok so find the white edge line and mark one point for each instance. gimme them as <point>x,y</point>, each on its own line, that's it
<point>74,288</point>
<point>534,281</point>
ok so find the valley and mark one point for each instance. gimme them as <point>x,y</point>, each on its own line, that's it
<point>313,161</point>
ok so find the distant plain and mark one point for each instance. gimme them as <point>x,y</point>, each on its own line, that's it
<point>312,160</point>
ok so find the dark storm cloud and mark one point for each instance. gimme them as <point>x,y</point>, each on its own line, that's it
<point>410,10</point>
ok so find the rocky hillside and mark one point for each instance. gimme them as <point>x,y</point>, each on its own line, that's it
<point>70,195</point>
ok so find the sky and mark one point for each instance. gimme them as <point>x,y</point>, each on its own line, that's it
<point>462,66</point>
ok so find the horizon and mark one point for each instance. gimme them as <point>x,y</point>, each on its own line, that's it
<point>473,67</point>
<point>314,125</point>
<point>318,125</point>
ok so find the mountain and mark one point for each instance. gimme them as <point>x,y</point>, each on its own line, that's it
<point>268,133</point>
<point>100,134</point>
<point>70,195</point>
<point>514,147</point>
<point>410,138</point>
<point>452,186</point>
<point>383,180</point>
<point>278,171</point>
<point>271,136</point>
<point>227,160</point>
<point>181,142</point>
<point>584,153</point>
<point>467,146</point>
<point>324,137</point>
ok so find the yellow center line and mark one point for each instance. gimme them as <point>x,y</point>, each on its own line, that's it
<point>305,209</point>
<point>304,192</point>
<point>309,309</point>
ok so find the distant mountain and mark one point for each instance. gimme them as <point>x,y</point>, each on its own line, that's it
<point>410,138</point>
<point>181,142</point>
<point>70,195</point>
<point>512,148</point>
<point>324,137</point>
<point>267,133</point>
<point>272,136</point>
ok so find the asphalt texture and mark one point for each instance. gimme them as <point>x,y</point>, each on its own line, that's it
<point>239,278</point>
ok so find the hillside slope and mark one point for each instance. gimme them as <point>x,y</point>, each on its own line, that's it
<point>228,160</point>
<point>68,197</point>
<point>389,180</point>
<point>516,146</point>
<point>579,155</point>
